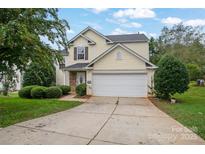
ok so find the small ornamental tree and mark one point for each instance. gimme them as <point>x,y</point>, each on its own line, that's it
<point>171,77</point>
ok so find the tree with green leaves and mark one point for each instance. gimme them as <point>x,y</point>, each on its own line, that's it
<point>194,71</point>
<point>184,42</point>
<point>171,77</point>
<point>37,74</point>
<point>22,35</point>
<point>152,46</point>
<point>153,50</point>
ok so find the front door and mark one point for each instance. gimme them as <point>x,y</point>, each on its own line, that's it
<point>80,77</point>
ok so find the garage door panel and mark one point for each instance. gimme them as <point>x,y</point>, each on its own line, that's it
<point>124,85</point>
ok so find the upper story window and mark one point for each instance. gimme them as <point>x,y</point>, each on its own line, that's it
<point>80,53</point>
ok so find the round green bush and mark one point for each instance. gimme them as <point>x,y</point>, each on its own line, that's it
<point>171,77</point>
<point>65,89</point>
<point>81,89</point>
<point>25,92</point>
<point>53,92</point>
<point>38,92</point>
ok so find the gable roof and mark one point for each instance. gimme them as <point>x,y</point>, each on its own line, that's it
<point>87,38</point>
<point>128,38</point>
<point>149,64</point>
<point>85,30</point>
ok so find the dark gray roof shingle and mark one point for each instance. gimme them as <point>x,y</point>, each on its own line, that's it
<point>77,66</point>
<point>128,38</point>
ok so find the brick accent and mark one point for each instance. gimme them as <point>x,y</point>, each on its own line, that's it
<point>73,81</point>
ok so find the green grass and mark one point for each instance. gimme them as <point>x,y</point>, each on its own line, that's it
<point>14,109</point>
<point>190,111</point>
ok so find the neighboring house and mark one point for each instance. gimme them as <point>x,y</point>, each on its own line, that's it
<point>18,82</point>
<point>113,65</point>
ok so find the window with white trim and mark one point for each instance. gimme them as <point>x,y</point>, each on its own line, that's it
<point>80,53</point>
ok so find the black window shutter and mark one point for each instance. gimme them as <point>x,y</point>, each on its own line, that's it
<point>75,53</point>
<point>86,53</point>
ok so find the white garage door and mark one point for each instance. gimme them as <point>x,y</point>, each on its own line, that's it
<point>124,85</point>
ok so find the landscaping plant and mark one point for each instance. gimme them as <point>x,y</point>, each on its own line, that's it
<point>81,89</point>
<point>37,74</point>
<point>171,77</point>
<point>53,92</point>
<point>25,92</point>
<point>38,92</point>
<point>65,89</point>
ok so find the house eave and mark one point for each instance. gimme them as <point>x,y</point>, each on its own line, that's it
<point>74,69</point>
<point>136,41</point>
<point>89,68</point>
<point>121,71</point>
<point>86,29</point>
<point>152,67</point>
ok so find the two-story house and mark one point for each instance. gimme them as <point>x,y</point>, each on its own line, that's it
<point>112,65</point>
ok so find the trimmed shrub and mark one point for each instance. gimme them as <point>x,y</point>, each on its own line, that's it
<point>25,92</point>
<point>38,92</point>
<point>65,89</point>
<point>53,92</point>
<point>81,89</point>
<point>171,77</point>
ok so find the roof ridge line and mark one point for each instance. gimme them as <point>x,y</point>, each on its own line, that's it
<point>126,34</point>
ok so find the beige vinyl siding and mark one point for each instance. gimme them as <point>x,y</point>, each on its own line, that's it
<point>128,61</point>
<point>89,79</point>
<point>93,50</point>
<point>61,76</point>
<point>100,45</point>
<point>80,41</point>
<point>142,48</point>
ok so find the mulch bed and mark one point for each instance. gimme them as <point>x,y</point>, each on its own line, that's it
<point>82,97</point>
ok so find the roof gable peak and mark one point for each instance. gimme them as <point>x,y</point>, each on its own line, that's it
<point>85,30</point>
<point>124,47</point>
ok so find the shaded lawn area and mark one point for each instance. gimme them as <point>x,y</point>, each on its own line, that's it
<point>14,109</point>
<point>190,111</point>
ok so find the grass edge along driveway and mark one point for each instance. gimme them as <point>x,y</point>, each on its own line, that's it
<point>190,109</point>
<point>14,109</point>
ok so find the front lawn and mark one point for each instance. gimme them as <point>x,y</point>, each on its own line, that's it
<point>14,109</point>
<point>190,111</point>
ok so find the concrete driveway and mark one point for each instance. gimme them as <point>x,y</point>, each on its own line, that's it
<point>102,120</point>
